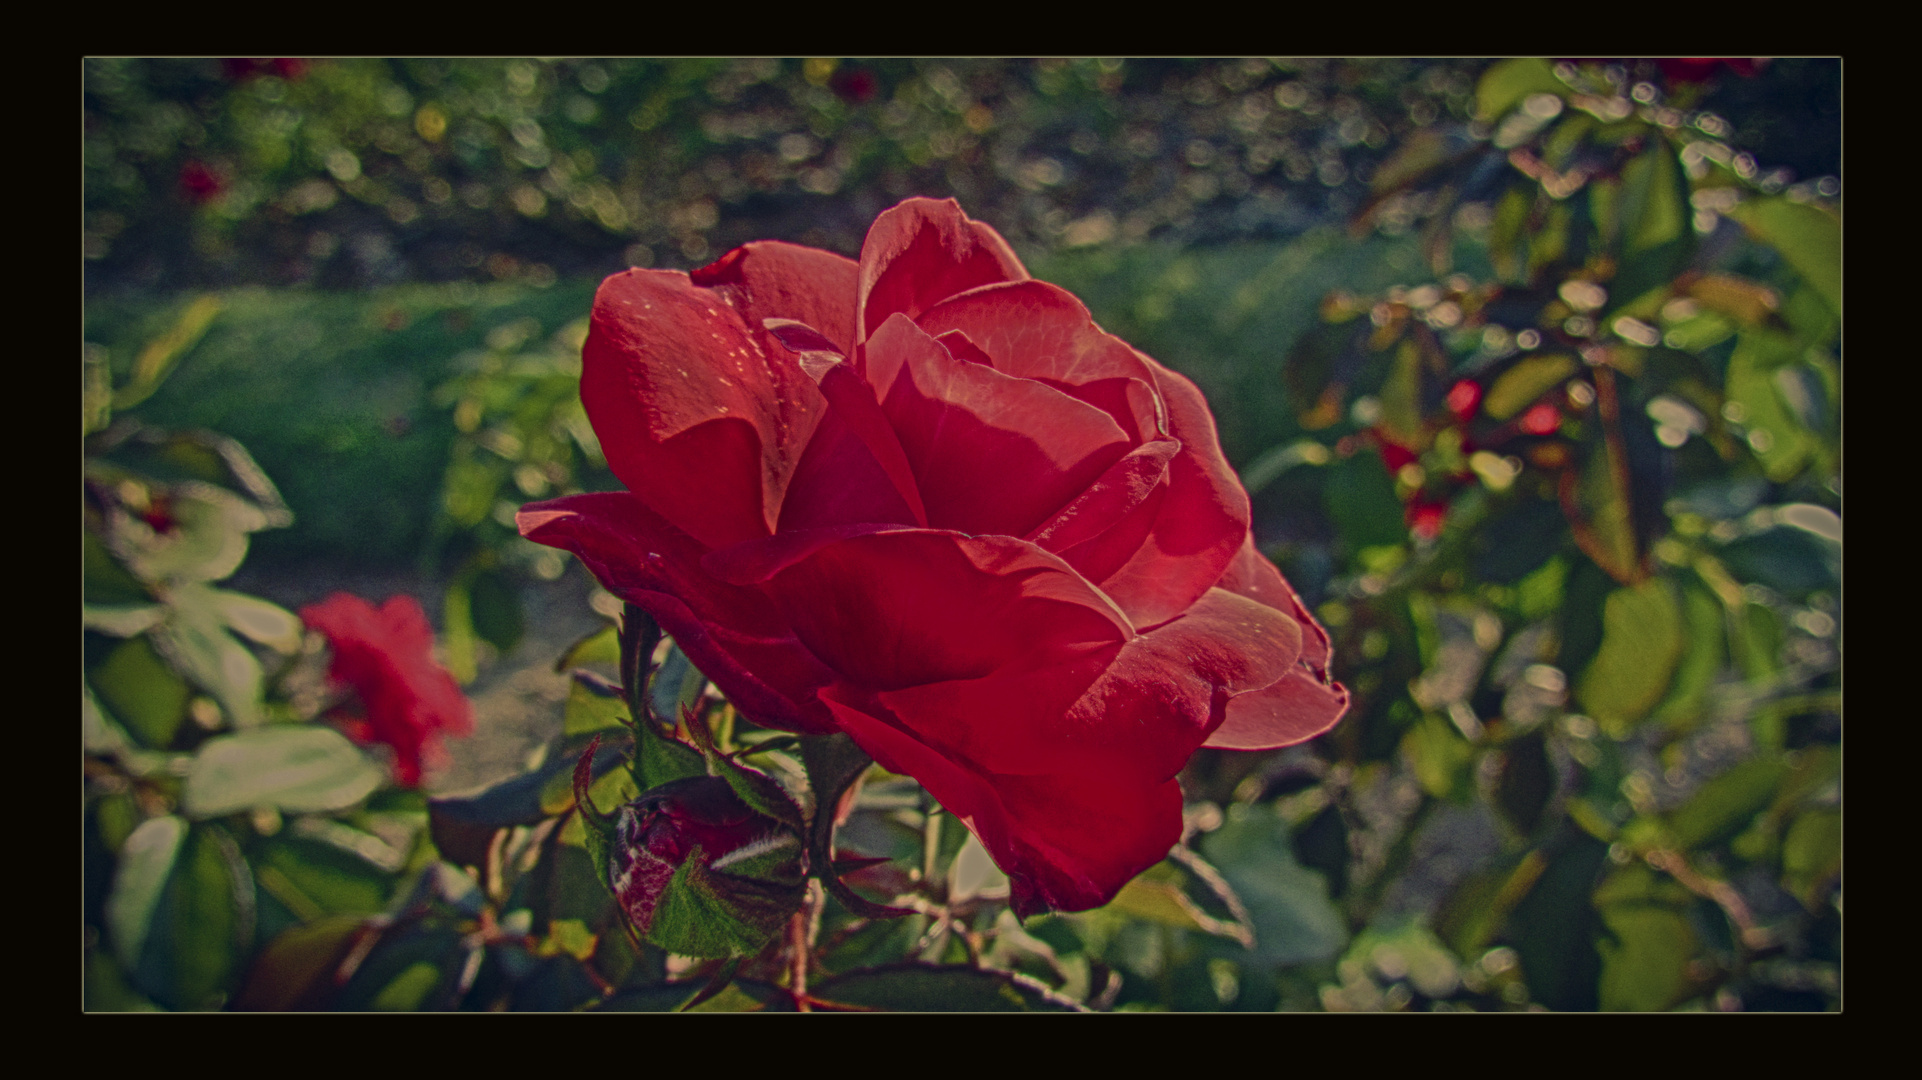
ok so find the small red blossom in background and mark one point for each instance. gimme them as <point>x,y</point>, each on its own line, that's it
<point>200,182</point>
<point>1463,398</point>
<point>1541,419</point>
<point>854,85</point>
<point>386,656</point>
<point>243,68</point>
<point>1425,516</point>
<point>1697,69</point>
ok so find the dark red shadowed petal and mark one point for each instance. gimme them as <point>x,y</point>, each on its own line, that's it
<point>732,634</point>
<point>699,416</point>
<point>1143,705</point>
<point>1124,486</point>
<point>902,607</point>
<point>921,252</point>
<point>991,453</point>
<point>1067,841</point>
<point>1199,521</point>
<point>853,402</point>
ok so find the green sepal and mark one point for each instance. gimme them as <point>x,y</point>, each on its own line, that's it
<point>761,792</point>
<point>705,913</point>
<point>659,759</point>
<point>601,833</point>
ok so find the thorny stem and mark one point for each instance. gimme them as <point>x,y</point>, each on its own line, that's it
<point>797,972</point>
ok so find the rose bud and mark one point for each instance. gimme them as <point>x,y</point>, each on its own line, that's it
<point>699,873</point>
<point>385,656</point>
<point>923,500</point>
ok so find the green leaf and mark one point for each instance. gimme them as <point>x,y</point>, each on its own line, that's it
<point>1510,82</point>
<point>142,692</point>
<point>1360,497</point>
<point>1654,208</point>
<point>268,623</point>
<point>122,620</point>
<point>103,580</point>
<point>313,879</point>
<point>1776,436</point>
<point>203,921</point>
<point>1812,854</point>
<point>1401,413</point>
<point>1642,641</point>
<point>1726,804</point>
<point>1528,379</point>
<point>1525,781</point>
<point>593,704</point>
<point>1647,941</point>
<point>601,646</point>
<point>1809,238</point>
<point>1442,759</point>
<point>297,769</point>
<point>1553,927</point>
<point>497,614</point>
<point>916,987</point>
<point>96,389</point>
<point>1706,627</point>
<point>146,864</point>
<point>1294,920</point>
<point>1159,902</point>
<point>458,638</point>
<point>195,638</point>
<point>159,358</point>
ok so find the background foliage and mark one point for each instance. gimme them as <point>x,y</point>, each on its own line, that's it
<point>1532,369</point>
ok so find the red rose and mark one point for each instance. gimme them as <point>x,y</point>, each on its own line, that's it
<point>200,182</point>
<point>925,500</point>
<point>386,656</point>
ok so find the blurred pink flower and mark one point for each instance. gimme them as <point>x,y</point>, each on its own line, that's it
<point>386,656</point>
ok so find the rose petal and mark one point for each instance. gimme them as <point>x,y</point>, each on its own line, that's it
<point>788,281</point>
<point>1067,841</point>
<point>1141,706</point>
<point>732,634</point>
<point>1126,484</point>
<point>853,401</point>
<point>838,482</point>
<point>698,417</point>
<point>1296,708</point>
<point>894,609</point>
<point>1252,575</point>
<point>1035,330</point>
<point>991,453</point>
<point>1303,703</point>
<point>922,252</point>
<point>1199,524</point>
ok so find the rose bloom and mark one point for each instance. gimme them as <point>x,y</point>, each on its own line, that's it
<point>386,656</point>
<point>924,500</point>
